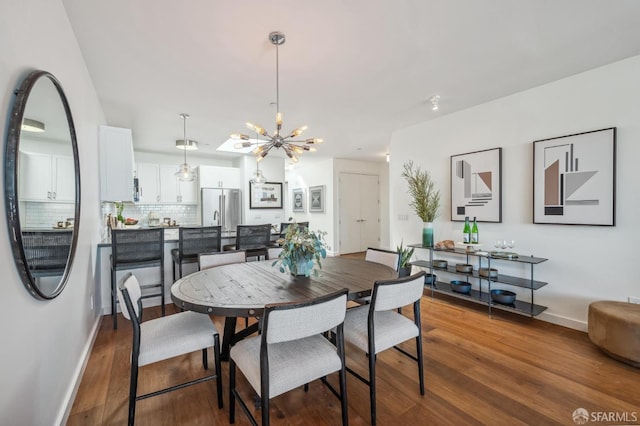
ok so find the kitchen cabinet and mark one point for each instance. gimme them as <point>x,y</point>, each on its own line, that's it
<point>116,164</point>
<point>173,190</point>
<point>45,177</point>
<point>148,183</point>
<point>482,294</point>
<point>158,184</point>
<point>219,177</point>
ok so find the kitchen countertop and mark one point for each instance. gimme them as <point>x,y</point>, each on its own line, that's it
<point>172,238</point>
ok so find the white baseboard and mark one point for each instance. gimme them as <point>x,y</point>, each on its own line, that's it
<point>70,396</point>
<point>563,321</point>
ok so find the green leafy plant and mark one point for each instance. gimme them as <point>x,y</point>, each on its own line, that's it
<point>405,255</point>
<point>119,209</point>
<point>301,249</point>
<point>426,199</point>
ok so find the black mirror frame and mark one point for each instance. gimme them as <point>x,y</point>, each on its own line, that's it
<point>11,183</point>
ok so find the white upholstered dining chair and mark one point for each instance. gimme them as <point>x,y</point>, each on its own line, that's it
<point>210,260</point>
<point>378,326</point>
<point>384,257</point>
<point>291,352</point>
<point>163,338</point>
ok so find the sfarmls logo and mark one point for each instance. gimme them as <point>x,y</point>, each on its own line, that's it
<point>582,416</point>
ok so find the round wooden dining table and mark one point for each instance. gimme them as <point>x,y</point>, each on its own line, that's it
<point>243,289</point>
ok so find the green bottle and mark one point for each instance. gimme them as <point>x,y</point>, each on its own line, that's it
<point>466,231</point>
<point>475,238</point>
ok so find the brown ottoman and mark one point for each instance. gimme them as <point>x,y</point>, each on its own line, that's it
<point>615,328</point>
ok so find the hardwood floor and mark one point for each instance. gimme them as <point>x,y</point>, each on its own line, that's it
<point>504,370</point>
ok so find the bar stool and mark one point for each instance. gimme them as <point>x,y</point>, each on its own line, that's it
<point>254,239</point>
<point>193,241</point>
<point>134,249</point>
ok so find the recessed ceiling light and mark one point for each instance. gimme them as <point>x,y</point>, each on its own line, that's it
<point>191,145</point>
<point>29,125</point>
<point>435,100</point>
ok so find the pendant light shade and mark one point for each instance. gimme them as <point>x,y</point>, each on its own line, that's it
<point>185,173</point>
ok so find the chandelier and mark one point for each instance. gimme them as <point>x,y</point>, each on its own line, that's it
<point>290,146</point>
<point>185,173</point>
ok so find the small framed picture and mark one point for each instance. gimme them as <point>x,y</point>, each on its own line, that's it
<point>316,199</point>
<point>298,200</point>
<point>476,185</point>
<point>267,195</point>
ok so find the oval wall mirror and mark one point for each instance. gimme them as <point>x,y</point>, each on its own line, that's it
<point>42,185</point>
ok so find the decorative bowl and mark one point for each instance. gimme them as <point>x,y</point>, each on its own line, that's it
<point>439,263</point>
<point>488,272</point>
<point>505,297</point>
<point>463,287</point>
<point>464,267</point>
<point>430,279</point>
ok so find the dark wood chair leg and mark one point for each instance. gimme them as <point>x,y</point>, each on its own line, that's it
<point>216,360</point>
<point>372,387</point>
<point>232,389</point>
<point>114,300</point>
<point>205,361</point>
<point>133,389</point>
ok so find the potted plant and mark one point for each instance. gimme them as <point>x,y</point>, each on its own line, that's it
<point>426,199</point>
<point>404,269</point>
<point>301,250</point>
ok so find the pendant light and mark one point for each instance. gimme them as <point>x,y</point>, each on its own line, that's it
<point>258,178</point>
<point>287,143</point>
<point>185,173</point>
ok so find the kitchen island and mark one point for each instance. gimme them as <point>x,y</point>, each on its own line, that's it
<point>171,235</point>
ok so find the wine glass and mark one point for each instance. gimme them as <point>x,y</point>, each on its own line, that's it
<point>503,244</point>
<point>511,244</point>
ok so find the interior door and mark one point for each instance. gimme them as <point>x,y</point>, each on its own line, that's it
<point>359,212</point>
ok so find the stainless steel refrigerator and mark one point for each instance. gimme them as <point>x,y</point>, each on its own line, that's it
<point>221,206</point>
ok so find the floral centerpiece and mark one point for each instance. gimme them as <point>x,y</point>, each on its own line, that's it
<point>301,250</point>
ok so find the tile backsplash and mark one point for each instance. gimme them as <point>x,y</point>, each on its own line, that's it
<point>44,215</point>
<point>183,214</point>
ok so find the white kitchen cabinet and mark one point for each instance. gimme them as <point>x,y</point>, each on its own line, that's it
<point>168,185</point>
<point>219,177</point>
<point>45,177</point>
<point>159,184</point>
<point>116,164</point>
<point>148,183</point>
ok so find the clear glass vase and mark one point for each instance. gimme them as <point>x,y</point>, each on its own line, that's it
<point>427,234</point>
<point>303,268</point>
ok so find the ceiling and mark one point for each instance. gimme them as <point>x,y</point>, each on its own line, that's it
<point>354,71</point>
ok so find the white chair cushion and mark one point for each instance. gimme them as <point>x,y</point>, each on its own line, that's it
<point>174,335</point>
<point>391,328</point>
<point>210,260</point>
<point>383,257</point>
<point>290,324</point>
<point>291,364</point>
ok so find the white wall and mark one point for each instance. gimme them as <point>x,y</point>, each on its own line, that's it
<point>586,263</point>
<point>272,167</point>
<point>315,172</point>
<point>44,342</point>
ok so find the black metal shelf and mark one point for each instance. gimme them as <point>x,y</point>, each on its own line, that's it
<point>504,279</point>
<point>521,258</point>
<point>478,296</point>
